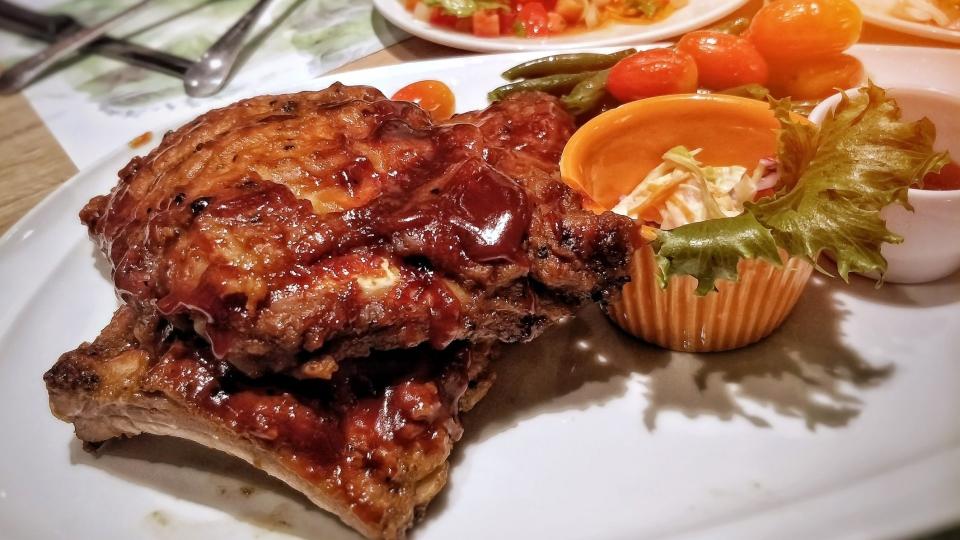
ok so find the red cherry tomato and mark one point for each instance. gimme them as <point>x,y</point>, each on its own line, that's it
<point>804,29</point>
<point>724,60</point>
<point>432,96</point>
<point>533,18</point>
<point>653,73</point>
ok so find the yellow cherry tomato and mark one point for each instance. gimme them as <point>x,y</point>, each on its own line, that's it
<point>432,96</point>
<point>816,78</point>
<point>804,29</point>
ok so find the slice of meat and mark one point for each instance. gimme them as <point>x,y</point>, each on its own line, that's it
<point>319,226</point>
<point>369,445</point>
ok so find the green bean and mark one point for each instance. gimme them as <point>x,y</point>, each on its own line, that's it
<point>736,26</point>
<point>588,95</point>
<point>565,63</point>
<point>552,84</point>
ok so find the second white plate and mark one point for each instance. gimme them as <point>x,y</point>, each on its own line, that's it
<point>696,14</point>
<point>877,12</point>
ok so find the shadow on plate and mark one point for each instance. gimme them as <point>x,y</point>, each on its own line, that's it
<point>803,371</point>
<point>210,478</point>
<point>922,295</point>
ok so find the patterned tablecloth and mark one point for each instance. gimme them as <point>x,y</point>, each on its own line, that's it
<point>97,104</point>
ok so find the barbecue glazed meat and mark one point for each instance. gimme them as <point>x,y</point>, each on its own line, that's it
<point>369,446</point>
<point>295,231</point>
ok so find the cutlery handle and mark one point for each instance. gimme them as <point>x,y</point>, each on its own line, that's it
<point>51,28</point>
<point>22,73</point>
<point>209,74</point>
<point>39,23</point>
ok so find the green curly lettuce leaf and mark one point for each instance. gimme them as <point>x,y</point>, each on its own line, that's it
<point>834,181</point>
<point>863,159</point>
<point>710,250</point>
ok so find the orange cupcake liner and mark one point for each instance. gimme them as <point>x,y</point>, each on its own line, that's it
<point>738,314</point>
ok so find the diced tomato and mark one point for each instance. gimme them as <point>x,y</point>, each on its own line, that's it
<point>507,20</point>
<point>548,4</point>
<point>533,18</point>
<point>464,24</point>
<point>441,18</point>
<point>410,4</point>
<point>486,23</point>
<point>555,22</point>
<point>570,10</point>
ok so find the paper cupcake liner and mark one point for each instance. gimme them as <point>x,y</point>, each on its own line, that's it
<point>739,314</point>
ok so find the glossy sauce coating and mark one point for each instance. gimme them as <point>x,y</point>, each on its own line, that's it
<point>360,432</point>
<point>338,222</point>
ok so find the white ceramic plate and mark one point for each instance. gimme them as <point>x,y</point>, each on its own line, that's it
<point>876,12</point>
<point>843,424</point>
<point>696,14</point>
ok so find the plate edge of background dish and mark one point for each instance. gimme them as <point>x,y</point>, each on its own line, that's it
<point>399,16</point>
<point>876,17</point>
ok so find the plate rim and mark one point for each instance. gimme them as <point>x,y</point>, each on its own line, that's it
<point>877,17</point>
<point>396,14</point>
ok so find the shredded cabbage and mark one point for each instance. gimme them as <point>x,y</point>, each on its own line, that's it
<point>681,190</point>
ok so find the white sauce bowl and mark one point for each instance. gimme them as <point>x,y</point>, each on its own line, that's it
<point>931,233</point>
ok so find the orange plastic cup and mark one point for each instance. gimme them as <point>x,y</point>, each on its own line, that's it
<point>606,159</point>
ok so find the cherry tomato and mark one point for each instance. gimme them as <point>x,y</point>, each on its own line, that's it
<point>803,29</point>
<point>432,96</point>
<point>816,78</point>
<point>533,18</point>
<point>724,60</point>
<point>654,72</point>
<point>570,10</point>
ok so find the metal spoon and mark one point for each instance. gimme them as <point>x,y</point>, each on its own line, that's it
<point>24,72</point>
<point>209,74</point>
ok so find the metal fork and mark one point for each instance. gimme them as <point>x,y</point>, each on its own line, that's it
<point>22,73</point>
<point>209,74</point>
